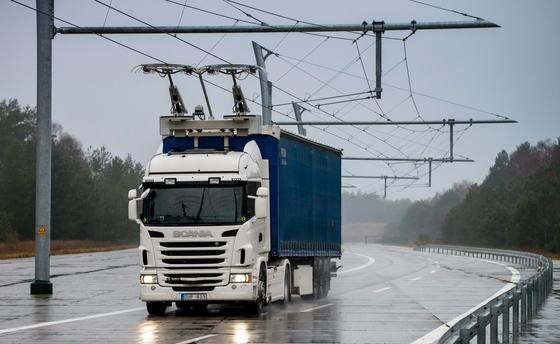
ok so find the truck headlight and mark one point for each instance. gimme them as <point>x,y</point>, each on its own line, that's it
<point>241,278</point>
<point>148,279</point>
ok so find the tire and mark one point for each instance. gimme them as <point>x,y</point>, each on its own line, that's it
<point>156,308</point>
<point>256,307</point>
<point>287,286</point>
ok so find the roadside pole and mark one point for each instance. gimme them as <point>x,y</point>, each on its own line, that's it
<point>45,31</point>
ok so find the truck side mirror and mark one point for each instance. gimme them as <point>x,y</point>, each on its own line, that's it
<point>261,203</point>
<point>135,204</point>
<point>132,208</point>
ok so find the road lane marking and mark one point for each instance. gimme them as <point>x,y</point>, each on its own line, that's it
<point>51,323</point>
<point>368,263</point>
<point>381,290</point>
<point>314,308</point>
<point>416,278</point>
<point>194,340</point>
<point>515,276</point>
<point>433,336</point>
<point>433,271</point>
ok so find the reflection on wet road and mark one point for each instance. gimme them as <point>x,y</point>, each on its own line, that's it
<point>384,294</point>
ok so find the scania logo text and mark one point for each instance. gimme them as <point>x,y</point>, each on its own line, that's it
<point>193,234</point>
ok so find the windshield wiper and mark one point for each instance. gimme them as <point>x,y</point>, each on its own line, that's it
<point>200,207</point>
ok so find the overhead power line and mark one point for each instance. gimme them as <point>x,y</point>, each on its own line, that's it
<point>446,9</point>
<point>98,34</point>
<point>162,31</point>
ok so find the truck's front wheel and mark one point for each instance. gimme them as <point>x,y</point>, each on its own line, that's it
<point>256,307</point>
<point>156,308</point>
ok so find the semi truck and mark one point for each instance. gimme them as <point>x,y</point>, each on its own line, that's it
<point>234,210</point>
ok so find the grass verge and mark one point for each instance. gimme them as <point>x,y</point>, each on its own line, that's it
<point>26,248</point>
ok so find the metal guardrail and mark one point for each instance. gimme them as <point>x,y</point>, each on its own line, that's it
<point>504,313</point>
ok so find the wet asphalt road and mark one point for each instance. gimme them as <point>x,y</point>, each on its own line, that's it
<point>384,294</point>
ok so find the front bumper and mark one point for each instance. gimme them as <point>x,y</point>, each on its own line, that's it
<point>230,292</point>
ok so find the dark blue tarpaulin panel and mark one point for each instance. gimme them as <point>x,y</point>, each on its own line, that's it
<point>305,185</point>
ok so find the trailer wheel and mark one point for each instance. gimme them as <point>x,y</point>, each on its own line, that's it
<point>287,286</point>
<point>156,308</point>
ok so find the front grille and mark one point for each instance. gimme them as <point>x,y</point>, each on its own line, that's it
<point>193,261</point>
<point>193,288</point>
<point>194,244</point>
<point>193,275</point>
<point>193,253</point>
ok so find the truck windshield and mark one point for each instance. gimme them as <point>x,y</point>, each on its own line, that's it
<point>185,205</point>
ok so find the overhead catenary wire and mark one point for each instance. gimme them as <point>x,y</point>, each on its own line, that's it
<point>164,62</point>
<point>365,129</point>
<point>209,53</point>
<point>407,90</point>
<point>100,35</point>
<point>447,9</point>
<point>327,83</point>
<point>293,19</point>
<point>215,45</point>
<point>261,22</point>
<point>110,7</point>
<point>107,14</point>
<point>180,17</point>
<point>156,28</point>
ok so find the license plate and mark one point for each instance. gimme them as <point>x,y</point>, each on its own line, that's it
<point>194,296</point>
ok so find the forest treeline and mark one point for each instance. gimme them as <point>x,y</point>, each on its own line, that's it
<point>89,188</point>
<point>516,206</point>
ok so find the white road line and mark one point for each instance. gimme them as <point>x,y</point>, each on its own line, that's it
<point>381,290</point>
<point>416,278</point>
<point>194,340</point>
<point>51,323</point>
<point>515,276</point>
<point>433,336</point>
<point>314,308</point>
<point>368,263</point>
<point>433,271</point>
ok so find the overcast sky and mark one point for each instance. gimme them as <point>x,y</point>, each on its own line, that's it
<point>509,71</point>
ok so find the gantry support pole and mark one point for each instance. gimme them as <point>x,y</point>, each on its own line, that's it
<point>378,28</point>
<point>45,34</point>
<point>266,102</point>
<point>430,172</point>
<point>385,187</point>
<point>298,111</point>
<point>451,122</point>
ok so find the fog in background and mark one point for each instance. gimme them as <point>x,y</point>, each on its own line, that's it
<point>511,71</point>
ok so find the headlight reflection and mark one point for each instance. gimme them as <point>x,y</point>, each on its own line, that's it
<point>241,334</point>
<point>148,333</point>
